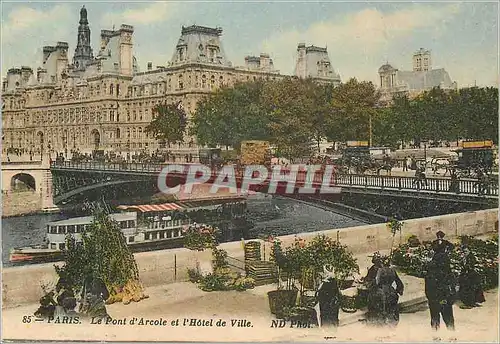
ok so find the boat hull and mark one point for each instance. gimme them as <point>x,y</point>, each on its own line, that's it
<point>28,256</point>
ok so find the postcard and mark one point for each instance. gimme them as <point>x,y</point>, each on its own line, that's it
<point>250,171</point>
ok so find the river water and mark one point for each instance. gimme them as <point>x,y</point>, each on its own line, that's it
<point>270,216</point>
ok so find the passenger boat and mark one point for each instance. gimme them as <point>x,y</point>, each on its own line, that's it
<point>145,227</point>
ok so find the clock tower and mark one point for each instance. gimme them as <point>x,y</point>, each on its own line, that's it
<point>83,52</point>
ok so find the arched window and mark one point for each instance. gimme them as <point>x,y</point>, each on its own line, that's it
<point>212,81</point>
<point>111,116</point>
<point>181,82</point>
<point>139,135</point>
<point>203,81</point>
<point>133,133</point>
<point>117,89</point>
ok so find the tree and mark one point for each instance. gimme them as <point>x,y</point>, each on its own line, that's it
<point>322,113</point>
<point>290,104</point>
<point>479,112</point>
<point>104,254</point>
<point>231,115</point>
<point>352,105</point>
<point>385,128</point>
<point>169,123</point>
<point>400,116</point>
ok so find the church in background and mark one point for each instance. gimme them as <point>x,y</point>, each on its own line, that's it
<point>412,83</point>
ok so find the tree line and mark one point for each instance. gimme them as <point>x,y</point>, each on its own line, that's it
<point>295,115</point>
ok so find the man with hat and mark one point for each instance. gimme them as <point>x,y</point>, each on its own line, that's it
<point>372,271</point>
<point>440,245</point>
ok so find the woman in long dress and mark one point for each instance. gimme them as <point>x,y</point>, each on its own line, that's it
<point>329,296</point>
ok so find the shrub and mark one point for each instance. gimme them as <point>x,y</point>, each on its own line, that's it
<point>413,261</point>
<point>243,283</point>
<point>194,275</point>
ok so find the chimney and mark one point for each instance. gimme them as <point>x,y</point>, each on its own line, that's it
<point>150,66</point>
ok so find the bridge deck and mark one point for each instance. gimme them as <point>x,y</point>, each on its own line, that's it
<point>353,182</point>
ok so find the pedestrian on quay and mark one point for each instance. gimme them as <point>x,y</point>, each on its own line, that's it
<point>405,164</point>
<point>441,245</point>
<point>385,296</point>
<point>328,296</point>
<point>440,290</point>
<point>47,306</point>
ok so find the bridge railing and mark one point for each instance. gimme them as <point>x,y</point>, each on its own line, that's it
<point>436,185</point>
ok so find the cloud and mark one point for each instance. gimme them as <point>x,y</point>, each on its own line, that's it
<point>25,20</point>
<point>151,13</point>
<point>360,37</point>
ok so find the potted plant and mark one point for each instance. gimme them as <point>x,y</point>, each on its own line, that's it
<point>326,251</point>
<point>303,263</point>
<point>285,296</point>
<point>198,237</point>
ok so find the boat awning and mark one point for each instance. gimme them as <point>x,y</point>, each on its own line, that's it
<point>152,207</point>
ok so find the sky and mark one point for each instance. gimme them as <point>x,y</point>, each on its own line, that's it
<point>359,36</point>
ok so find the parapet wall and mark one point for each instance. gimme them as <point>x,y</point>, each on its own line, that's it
<point>22,285</point>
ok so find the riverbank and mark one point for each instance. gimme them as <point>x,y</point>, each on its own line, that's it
<point>22,285</point>
<point>169,302</point>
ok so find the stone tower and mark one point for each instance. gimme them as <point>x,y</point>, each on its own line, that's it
<point>83,52</point>
<point>422,60</point>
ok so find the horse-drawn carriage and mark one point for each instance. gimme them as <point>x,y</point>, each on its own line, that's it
<point>473,158</point>
<point>357,158</point>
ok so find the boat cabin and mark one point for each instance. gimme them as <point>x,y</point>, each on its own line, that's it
<point>157,221</point>
<point>58,230</point>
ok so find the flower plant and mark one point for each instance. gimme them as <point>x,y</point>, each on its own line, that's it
<point>198,237</point>
<point>413,261</point>
<point>303,261</point>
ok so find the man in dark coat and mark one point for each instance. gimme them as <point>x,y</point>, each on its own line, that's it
<point>372,271</point>
<point>388,304</point>
<point>440,245</point>
<point>440,291</point>
<point>328,296</point>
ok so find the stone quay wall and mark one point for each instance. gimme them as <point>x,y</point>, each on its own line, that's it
<point>22,284</point>
<point>21,203</point>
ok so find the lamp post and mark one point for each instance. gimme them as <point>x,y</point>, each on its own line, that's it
<point>425,154</point>
<point>371,135</point>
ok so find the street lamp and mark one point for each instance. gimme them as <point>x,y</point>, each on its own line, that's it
<point>425,153</point>
<point>371,135</point>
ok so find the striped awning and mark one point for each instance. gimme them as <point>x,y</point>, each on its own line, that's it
<point>152,207</point>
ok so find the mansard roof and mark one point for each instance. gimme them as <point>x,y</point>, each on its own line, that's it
<point>425,80</point>
<point>200,44</point>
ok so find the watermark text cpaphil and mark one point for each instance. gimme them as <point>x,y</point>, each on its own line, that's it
<point>278,179</point>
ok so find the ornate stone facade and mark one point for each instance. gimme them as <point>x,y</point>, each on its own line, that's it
<point>423,77</point>
<point>106,103</point>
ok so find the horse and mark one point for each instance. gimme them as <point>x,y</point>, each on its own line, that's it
<point>386,165</point>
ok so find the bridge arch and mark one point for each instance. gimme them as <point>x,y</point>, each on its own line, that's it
<point>93,187</point>
<point>22,182</point>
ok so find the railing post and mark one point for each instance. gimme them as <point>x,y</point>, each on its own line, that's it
<point>399,183</point>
